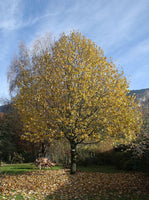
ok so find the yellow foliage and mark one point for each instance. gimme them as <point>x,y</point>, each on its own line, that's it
<point>76,93</point>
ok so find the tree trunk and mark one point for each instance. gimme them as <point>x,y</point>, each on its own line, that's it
<point>43,149</point>
<point>73,158</point>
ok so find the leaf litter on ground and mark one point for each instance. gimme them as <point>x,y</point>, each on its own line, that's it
<point>60,183</point>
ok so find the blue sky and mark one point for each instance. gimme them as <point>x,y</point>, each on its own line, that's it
<point>119,27</point>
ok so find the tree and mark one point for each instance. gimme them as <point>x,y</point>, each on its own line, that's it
<point>11,144</point>
<point>73,91</point>
<point>14,72</point>
<point>140,147</point>
<point>8,127</point>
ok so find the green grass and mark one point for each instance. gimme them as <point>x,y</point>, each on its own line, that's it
<point>96,168</point>
<point>14,169</point>
<point>18,197</point>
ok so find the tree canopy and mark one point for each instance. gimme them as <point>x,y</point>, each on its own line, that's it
<point>70,89</point>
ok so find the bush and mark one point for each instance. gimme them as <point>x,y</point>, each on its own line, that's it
<point>17,158</point>
<point>84,157</point>
<point>125,160</point>
<point>87,157</point>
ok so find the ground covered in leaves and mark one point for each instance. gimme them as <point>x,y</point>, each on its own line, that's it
<point>59,184</point>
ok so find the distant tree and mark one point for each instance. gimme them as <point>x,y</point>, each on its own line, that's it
<point>14,72</point>
<point>7,137</point>
<point>71,90</point>
<point>140,146</point>
<point>11,130</point>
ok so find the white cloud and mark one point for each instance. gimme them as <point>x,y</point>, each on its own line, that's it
<point>111,23</point>
<point>136,52</point>
<point>3,52</point>
<point>10,14</point>
<point>119,27</point>
<point>120,23</point>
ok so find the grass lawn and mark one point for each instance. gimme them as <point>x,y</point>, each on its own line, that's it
<point>22,181</point>
<point>101,169</point>
<point>14,169</point>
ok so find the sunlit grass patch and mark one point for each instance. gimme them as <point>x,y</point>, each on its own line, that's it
<point>14,169</point>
